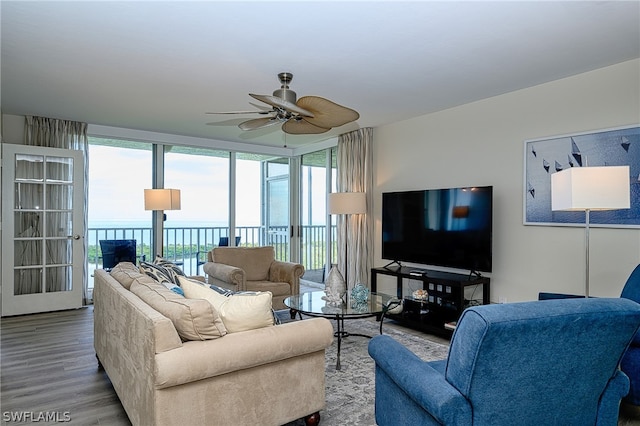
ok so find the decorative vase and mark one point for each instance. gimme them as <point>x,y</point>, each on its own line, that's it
<point>335,287</point>
<point>359,293</point>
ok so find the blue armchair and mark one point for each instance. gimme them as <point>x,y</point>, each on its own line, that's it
<point>530,363</point>
<point>630,363</point>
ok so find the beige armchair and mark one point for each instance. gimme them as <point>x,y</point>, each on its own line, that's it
<point>253,269</point>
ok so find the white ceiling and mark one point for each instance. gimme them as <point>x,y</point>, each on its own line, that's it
<point>160,65</point>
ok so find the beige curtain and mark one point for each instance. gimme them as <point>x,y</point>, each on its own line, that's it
<point>65,134</point>
<point>355,162</point>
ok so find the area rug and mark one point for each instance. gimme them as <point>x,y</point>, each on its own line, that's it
<point>350,392</point>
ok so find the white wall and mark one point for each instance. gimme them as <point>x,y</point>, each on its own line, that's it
<point>482,144</point>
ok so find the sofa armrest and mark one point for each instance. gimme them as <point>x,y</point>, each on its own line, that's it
<point>230,275</point>
<point>422,383</point>
<point>243,350</point>
<point>287,272</point>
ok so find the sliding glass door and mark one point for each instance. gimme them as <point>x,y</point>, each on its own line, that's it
<point>277,220</point>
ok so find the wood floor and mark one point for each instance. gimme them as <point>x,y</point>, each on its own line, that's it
<point>48,370</point>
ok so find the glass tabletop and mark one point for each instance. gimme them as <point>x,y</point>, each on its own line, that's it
<point>312,304</point>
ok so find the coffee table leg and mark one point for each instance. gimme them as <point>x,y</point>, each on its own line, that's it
<point>340,333</point>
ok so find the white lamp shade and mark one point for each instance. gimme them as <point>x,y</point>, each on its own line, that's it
<point>592,188</point>
<point>347,203</point>
<point>162,199</point>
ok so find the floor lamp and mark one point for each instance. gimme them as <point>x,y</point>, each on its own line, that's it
<point>590,188</point>
<point>347,203</point>
<point>160,200</point>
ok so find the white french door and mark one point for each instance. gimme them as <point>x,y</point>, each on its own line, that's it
<point>42,229</point>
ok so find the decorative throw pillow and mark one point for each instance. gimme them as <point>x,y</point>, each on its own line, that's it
<point>174,288</point>
<point>157,272</point>
<point>174,270</point>
<point>223,291</point>
<point>239,311</point>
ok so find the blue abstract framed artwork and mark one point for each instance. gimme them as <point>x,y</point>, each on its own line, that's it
<point>543,157</point>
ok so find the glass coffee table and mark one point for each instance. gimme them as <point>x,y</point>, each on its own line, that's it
<point>313,305</point>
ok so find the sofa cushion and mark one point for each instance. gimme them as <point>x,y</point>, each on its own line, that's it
<point>126,272</point>
<point>194,319</point>
<point>255,261</point>
<point>239,311</point>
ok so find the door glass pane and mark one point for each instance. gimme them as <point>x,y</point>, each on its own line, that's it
<point>27,252</point>
<point>59,224</point>
<point>59,196</point>
<point>59,279</point>
<point>27,224</point>
<point>59,169</point>
<point>28,196</point>
<point>29,167</point>
<point>27,281</point>
<point>58,251</point>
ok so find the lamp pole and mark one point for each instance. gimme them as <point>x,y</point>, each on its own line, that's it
<point>346,204</point>
<point>590,188</point>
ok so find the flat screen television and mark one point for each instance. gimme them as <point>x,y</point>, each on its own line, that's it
<point>440,227</point>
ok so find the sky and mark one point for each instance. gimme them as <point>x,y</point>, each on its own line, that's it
<point>118,177</point>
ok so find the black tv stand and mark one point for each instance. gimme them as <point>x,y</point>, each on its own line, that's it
<point>445,302</point>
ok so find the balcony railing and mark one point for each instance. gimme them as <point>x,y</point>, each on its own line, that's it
<point>189,246</point>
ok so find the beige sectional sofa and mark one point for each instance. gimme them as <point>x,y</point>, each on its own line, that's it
<point>178,367</point>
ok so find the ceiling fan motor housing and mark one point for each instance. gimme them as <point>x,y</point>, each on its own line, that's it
<point>284,92</point>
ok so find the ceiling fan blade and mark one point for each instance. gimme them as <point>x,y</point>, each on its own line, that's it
<point>326,113</point>
<point>302,127</point>
<point>262,107</point>
<point>242,112</point>
<point>281,103</point>
<point>230,122</point>
<point>258,123</point>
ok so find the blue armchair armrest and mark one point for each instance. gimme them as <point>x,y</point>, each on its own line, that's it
<point>426,386</point>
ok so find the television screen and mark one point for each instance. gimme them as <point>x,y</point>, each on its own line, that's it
<point>440,227</point>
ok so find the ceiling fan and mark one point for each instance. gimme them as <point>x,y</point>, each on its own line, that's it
<point>307,115</point>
